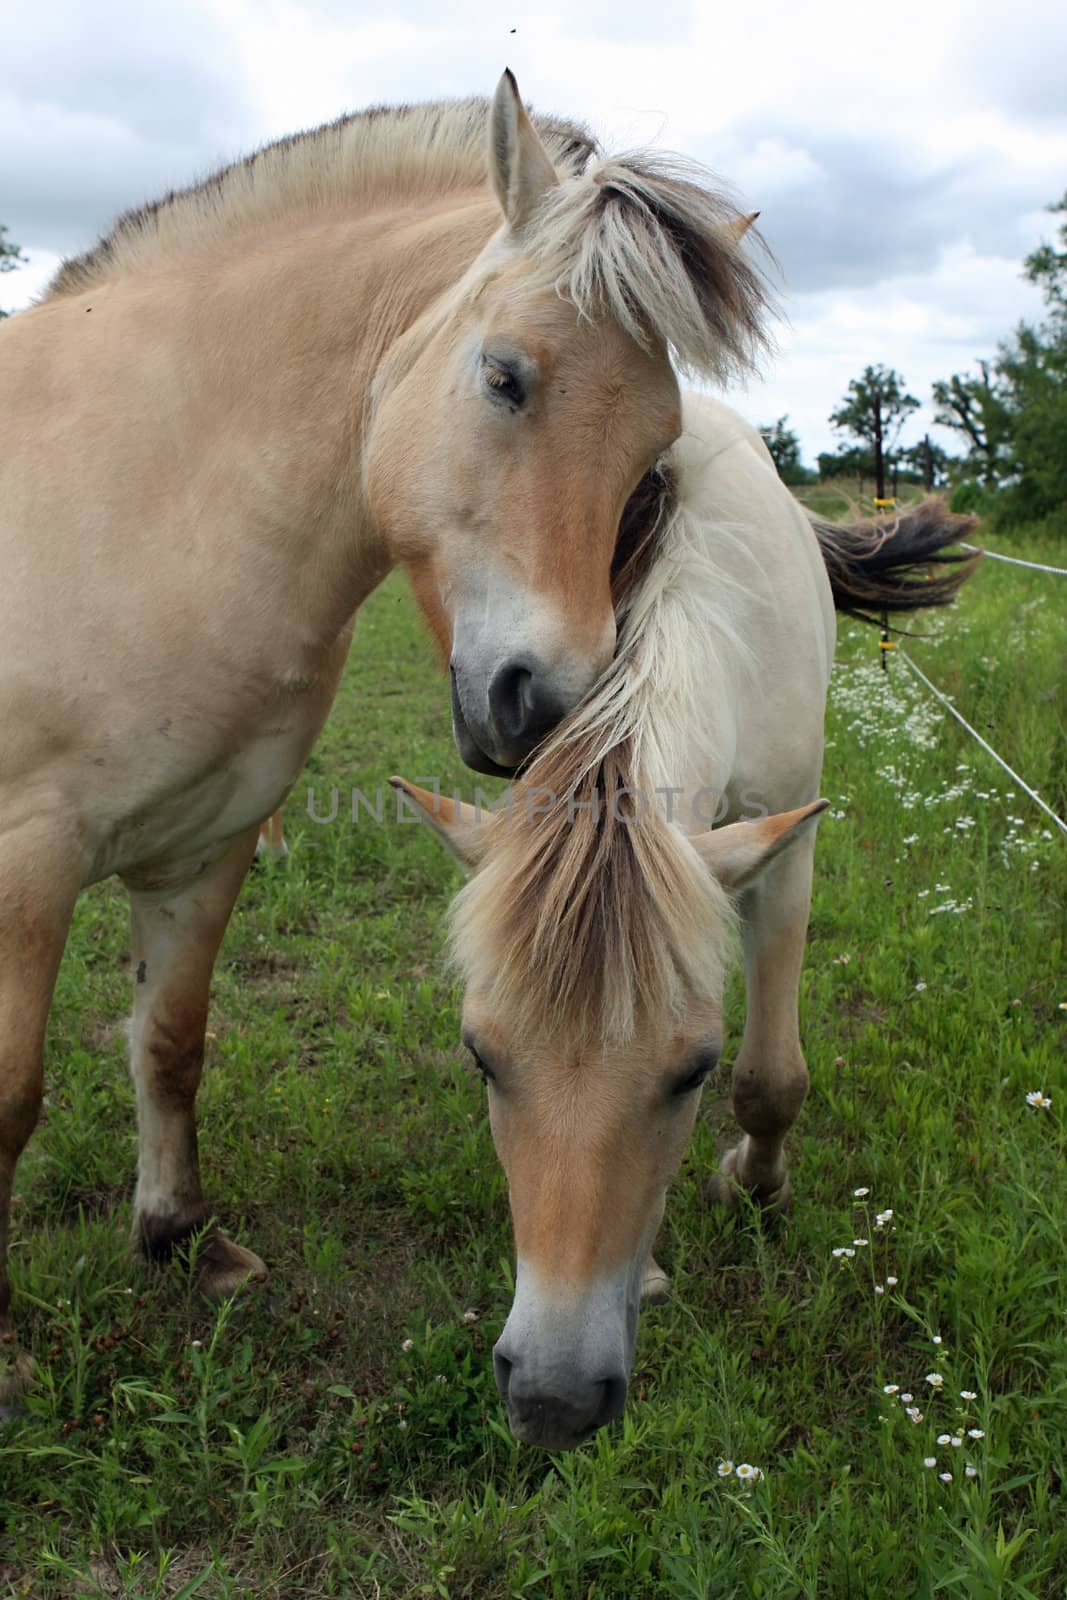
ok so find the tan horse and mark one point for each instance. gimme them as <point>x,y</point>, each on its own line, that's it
<point>371,344</point>
<point>594,935</point>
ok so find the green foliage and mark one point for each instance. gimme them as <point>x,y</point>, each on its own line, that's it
<point>848,462</point>
<point>1034,367</point>
<point>10,256</point>
<point>874,411</point>
<point>784,446</point>
<point>968,496</point>
<point>979,409</point>
<point>926,456</point>
<point>1014,413</point>
<point>293,1444</point>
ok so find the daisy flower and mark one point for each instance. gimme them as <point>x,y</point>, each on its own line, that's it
<point>748,1474</point>
<point>725,1469</point>
<point>934,1379</point>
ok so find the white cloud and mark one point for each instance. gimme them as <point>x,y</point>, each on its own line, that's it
<point>900,158</point>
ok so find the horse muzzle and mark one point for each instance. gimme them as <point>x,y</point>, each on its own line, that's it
<point>563,1360</point>
<point>498,724</point>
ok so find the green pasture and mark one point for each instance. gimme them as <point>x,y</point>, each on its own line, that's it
<point>338,1432</point>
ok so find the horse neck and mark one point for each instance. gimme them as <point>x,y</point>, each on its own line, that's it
<point>308,314</point>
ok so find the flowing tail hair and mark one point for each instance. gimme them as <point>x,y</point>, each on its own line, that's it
<point>897,563</point>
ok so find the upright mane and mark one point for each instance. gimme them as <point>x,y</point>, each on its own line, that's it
<point>591,914</point>
<point>648,238</point>
<point>396,151</point>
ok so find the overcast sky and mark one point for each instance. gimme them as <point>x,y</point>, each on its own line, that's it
<point>901,155</point>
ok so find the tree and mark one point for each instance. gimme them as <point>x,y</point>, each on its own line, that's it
<point>1047,268</point>
<point>1033,369</point>
<point>851,461</point>
<point>874,410</point>
<point>978,408</point>
<point>784,446</point>
<point>10,256</point>
<point>928,462</point>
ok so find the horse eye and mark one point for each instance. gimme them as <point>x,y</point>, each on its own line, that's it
<point>693,1082</point>
<point>504,385</point>
<point>480,1066</point>
<point>706,1064</point>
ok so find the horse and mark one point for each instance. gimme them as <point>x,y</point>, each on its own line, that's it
<point>593,936</point>
<point>401,339</point>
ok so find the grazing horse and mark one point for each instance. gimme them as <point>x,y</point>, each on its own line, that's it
<point>594,934</point>
<point>439,336</point>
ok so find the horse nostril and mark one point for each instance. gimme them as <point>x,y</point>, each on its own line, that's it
<point>502,1373</point>
<point>522,709</point>
<point>612,1402</point>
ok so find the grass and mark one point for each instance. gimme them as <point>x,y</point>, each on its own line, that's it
<point>338,1433</point>
<point>838,498</point>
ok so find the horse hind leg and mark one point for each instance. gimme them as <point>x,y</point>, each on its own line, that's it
<point>176,935</point>
<point>770,1077</point>
<point>38,887</point>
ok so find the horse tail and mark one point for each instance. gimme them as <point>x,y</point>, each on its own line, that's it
<point>897,563</point>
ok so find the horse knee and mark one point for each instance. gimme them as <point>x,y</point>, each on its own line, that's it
<point>767,1097</point>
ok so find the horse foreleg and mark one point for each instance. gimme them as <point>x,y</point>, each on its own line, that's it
<point>176,935</point>
<point>770,1077</point>
<point>37,895</point>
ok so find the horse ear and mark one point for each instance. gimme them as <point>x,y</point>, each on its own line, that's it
<point>461,828</point>
<point>739,853</point>
<point>519,164</point>
<point>740,226</point>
